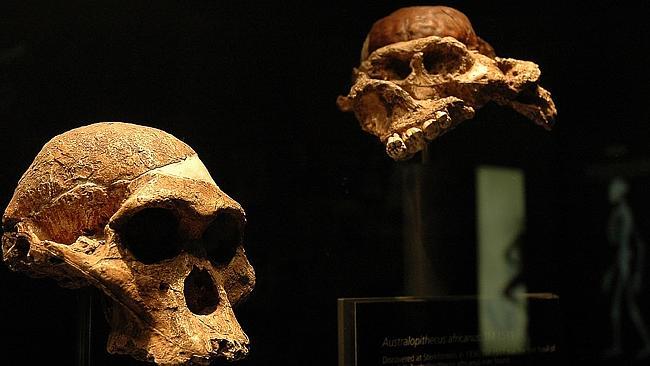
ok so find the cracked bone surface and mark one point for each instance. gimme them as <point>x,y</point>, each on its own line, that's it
<point>132,211</point>
<point>423,70</point>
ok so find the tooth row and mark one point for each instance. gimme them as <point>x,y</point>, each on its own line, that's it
<point>402,147</point>
<point>434,127</point>
<point>413,140</point>
<point>396,148</point>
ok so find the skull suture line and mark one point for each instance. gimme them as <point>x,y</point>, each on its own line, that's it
<point>132,211</point>
<point>423,70</point>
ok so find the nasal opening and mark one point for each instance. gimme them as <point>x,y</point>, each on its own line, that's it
<point>201,293</point>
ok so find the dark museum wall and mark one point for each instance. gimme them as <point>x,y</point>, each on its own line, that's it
<point>252,88</point>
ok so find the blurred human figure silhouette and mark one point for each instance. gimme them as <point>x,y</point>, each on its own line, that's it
<point>624,276</point>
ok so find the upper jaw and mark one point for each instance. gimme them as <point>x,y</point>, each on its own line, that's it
<point>403,124</point>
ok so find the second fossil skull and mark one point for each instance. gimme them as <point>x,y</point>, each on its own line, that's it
<point>424,70</point>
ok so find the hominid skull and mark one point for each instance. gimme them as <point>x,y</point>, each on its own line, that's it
<point>423,70</point>
<point>132,211</point>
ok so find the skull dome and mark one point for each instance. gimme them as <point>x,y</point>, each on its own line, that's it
<point>423,70</point>
<point>132,211</point>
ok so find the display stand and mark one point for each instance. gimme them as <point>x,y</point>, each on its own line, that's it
<point>84,342</point>
<point>420,275</point>
<point>442,229</point>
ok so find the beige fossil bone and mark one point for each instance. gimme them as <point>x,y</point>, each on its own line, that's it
<point>424,69</point>
<point>132,211</point>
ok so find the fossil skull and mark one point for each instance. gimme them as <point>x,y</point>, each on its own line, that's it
<point>423,70</point>
<point>132,211</point>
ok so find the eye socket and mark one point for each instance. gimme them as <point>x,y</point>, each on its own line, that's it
<point>392,68</point>
<point>151,235</point>
<point>400,69</point>
<point>223,236</point>
<point>439,59</point>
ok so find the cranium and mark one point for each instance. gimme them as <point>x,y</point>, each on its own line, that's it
<point>423,70</point>
<point>132,211</point>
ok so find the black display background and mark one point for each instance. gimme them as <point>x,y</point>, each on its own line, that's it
<point>252,88</point>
